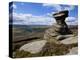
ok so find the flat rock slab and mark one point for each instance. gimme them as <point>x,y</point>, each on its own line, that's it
<point>61,37</point>
<point>34,47</point>
<point>73,51</point>
<point>70,40</point>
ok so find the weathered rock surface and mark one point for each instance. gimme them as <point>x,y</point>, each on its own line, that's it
<point>34,47</point>
<point>60,21</point>
<point>70,40</point>
<point>73,51</point>
<point>62,37</point>
<point>60,33</point>
<point>60,30</point>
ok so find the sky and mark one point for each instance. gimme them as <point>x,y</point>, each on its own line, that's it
<point>26,13</point>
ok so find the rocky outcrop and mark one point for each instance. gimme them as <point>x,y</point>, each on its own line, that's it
<point>70,40</point>
<point>34,47</point>
<point>58,33</point>
<point>60,30</point>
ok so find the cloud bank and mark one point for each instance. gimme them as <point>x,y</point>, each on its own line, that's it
<point>29,19</point>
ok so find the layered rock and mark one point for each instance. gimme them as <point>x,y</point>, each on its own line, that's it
<point>61,26</point>
<point>60,33</point>
<point>60,30</point>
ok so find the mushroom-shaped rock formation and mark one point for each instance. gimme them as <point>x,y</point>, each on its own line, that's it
<point>58,29</point>
<point>60,19</point>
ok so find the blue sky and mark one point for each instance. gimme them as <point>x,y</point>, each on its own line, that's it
<point>26,13</point>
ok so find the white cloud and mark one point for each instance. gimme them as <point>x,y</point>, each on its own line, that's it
<point>14,6</point>
<point>21,16</point>
<point>59,7</point>
<point>29,19</point>
<point>72,21</point>
<point>69,8</point>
